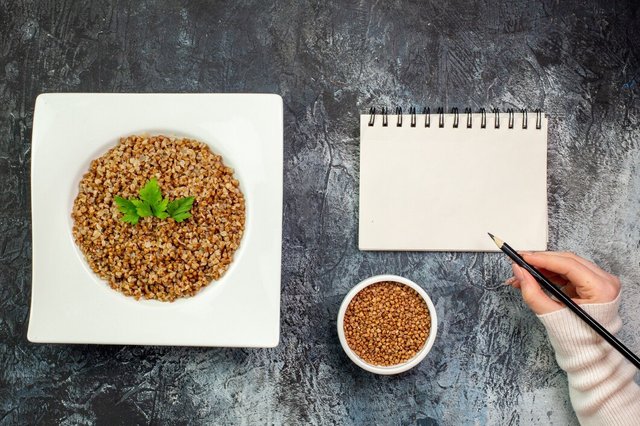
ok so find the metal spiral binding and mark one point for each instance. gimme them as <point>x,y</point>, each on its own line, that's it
<point>426,111</point>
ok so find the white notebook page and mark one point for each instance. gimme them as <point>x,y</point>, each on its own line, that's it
<point>443,189</point>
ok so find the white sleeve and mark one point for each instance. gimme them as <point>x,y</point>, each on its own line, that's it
<point>601,380</point>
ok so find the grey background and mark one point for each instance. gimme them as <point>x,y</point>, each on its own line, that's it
<point>491,363</point>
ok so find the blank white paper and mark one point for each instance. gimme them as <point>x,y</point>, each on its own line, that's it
<point>443,189</point>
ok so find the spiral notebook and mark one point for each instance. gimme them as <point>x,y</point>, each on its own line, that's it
<point>440,181</point>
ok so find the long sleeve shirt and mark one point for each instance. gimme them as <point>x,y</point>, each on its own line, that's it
<point>601,381</point>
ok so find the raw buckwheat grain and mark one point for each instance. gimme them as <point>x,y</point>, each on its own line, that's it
<point>387,323</point>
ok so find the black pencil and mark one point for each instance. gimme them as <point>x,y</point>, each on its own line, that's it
<point>558,294</point>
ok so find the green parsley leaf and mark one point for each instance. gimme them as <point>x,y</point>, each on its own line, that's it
<point>142,208</point>
<point>125,206</point>
<point>179,209</point>
<point>160,208</point>
<point>179,217</point>
<point>151,203</point>
<point>128,209</point>
<point>150,192</point>
<point>131,218</point>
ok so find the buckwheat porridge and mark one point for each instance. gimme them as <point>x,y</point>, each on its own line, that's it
<point>165,250</point>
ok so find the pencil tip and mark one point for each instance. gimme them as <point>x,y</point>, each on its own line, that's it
<point>496,240</point>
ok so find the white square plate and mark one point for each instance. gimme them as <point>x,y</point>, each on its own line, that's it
<point>70,304</point>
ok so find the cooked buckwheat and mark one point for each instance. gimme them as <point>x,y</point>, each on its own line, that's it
<point>159,259</point>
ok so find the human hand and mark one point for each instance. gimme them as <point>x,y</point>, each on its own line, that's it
<point>581,280</point>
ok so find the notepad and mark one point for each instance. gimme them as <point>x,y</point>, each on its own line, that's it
<point>440,182</point>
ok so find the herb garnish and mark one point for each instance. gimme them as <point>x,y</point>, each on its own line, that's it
<point>151,203</point>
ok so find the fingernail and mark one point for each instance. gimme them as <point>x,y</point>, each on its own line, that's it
<point>510,281</point>
<point>517,272</point>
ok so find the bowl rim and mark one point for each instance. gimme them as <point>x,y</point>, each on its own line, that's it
<point>394,369</point>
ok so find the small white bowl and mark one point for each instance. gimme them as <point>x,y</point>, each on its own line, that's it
<point>393,369</point>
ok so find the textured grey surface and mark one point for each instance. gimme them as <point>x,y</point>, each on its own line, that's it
<point>491,363</point>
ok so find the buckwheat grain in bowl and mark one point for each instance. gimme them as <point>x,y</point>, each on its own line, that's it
<point>159,217</point>
<point>387,324</point>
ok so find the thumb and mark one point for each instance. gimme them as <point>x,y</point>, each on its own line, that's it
<point>532,293</point>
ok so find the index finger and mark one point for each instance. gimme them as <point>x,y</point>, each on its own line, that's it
<point>574,271</point>
<point>590,265</point>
